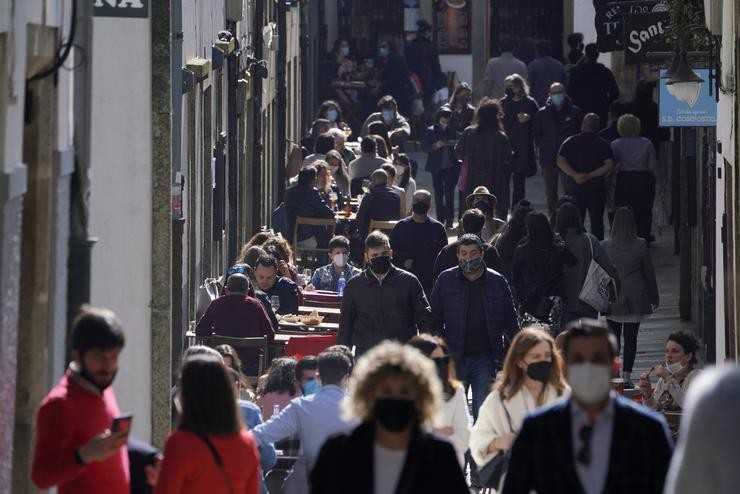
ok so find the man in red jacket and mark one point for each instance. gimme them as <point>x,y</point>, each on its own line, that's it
<point>75,448</point>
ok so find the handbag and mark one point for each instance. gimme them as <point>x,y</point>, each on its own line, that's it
<point>493,472</point>
<point>599,289</point>
<point>207,293</point>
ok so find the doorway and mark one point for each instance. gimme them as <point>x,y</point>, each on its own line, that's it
<point>524,20</point>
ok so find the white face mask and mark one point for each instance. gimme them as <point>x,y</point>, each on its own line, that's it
<point>674,368</point>
<point>333,168</point>
<point>340,260</point>
<point>399,171</point>
<point>589,382</point>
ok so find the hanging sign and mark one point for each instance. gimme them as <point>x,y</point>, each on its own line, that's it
<point>687,106</point>
<point>609,18</point>
<point>452,26</point>
<point>644,33</point>
<point>121,8</point>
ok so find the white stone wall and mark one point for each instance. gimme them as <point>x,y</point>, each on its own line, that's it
<point>120,202</point>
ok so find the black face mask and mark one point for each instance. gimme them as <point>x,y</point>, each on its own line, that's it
<point>394,414</point>
<point>463,100</point>
<point>420,208</point>
<point>509,92</point>
<point>380,265</point>
<point>539,371</point>
<point>484,206</point>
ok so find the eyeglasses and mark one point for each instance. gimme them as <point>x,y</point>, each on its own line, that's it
<point>584,453</point>
<point>442,360</point>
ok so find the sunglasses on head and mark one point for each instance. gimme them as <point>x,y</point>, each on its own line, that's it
<point>235,270</point>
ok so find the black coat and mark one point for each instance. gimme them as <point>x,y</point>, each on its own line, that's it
<point>553,126</point>
<point>345,464</point>
<point>305,201</point>
<point>381,204</point>
<point>433,134</point>
<point>423,60</point>
<point>520,134</point>
<point>593,87</point>
<point>373,311</point>
<point>394,80</point>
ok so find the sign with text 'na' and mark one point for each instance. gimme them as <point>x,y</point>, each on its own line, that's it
<point>645,33</point>
<point>683,109</point>
<point>121,8</point>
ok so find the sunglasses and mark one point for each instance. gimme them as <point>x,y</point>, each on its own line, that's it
<point>442,360</point>
<point>235,270</point>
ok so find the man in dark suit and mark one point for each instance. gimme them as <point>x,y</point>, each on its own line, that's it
<point>303,199</point>
<point>594,441</point>
<point>381,204</point>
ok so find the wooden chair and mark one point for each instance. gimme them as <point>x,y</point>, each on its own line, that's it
<point>329,223</point>
<point>259,342</point>
<point>386,226</point>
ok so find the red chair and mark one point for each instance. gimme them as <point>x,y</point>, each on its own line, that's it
<point>309,345</point>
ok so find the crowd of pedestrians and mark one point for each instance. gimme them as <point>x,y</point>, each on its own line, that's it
<point>498,329</point>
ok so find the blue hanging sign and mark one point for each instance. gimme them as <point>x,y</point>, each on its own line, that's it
<point>682,108</point>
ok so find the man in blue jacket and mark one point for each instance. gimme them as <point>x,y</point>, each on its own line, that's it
<point>474,312</point>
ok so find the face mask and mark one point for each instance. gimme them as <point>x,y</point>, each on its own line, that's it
<point>420,208</point>
<point>393,414</point>
<point>389,116</point>
<point>539,371</point>
<point>674,368</point>
<point>383,51</point>
<point>340,260</point>
<point>332,115</point>
<point>310,387</point>
<point>471,266</point>
<point>589,382</point>
<point>345,51</point>
<point>463,100</point>
<point>509,92</point>
<point>380,265</point>
<point>484,206</point>
<point>399,171</point>
<point>557,99</point>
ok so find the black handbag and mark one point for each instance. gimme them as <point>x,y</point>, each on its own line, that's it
<point>492,473</point>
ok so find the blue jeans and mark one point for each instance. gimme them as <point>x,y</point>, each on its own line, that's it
<point>477,372</point>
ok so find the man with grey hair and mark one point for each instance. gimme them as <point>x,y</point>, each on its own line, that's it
<point>585,159</point>
<point>381,204</point>
<point>417,240</point>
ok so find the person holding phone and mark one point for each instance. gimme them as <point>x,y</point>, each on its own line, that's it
<point>80,446</point>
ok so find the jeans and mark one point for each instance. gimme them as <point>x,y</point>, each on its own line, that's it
<point>445,183</point>
<point>477,372</point>
<point>630,341</point>
<point>637,191</point>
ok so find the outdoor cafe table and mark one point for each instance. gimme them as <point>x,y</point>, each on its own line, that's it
<point>322,298</point>
<point>322,311</point>
<point>341,216</point>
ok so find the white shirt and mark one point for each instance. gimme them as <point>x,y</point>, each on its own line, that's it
<point>454,413</point>
<point>387,467</point>
<point>593,475</point>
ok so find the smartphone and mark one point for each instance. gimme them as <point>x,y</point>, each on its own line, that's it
<point>122,423</point>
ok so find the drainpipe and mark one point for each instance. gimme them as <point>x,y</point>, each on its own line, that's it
<point>257,207</point>
<point>176,76</point>
<point>232,130</point>
<point>282,110</point>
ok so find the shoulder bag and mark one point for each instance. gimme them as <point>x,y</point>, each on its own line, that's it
<point>598,289</point>
<point>218,460</point>
<point>493,472</point>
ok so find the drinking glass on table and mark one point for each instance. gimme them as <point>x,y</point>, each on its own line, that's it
<point>275,302</point>
<point>366,186</point>
<point>333,200</point>
<point>307,275</point>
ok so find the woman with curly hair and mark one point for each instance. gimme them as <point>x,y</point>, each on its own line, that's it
<point>279,247</point>
<point>280,386</point>
<point>395,395</point>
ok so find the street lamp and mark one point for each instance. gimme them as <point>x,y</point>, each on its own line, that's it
<point>684,84</point>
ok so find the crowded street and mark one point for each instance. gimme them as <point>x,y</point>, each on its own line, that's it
<point>373,247</point>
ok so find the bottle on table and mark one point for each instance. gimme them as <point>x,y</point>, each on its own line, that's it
<point>275,410</point>
<point>341,284</point>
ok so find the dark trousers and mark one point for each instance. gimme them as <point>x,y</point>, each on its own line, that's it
<point>636,190</point>
<point>630,341</point>
<point>520,181</point>
<point>462,204</point>
<point>551,175</point>
<point>591,198</point>
<point>445,183</point>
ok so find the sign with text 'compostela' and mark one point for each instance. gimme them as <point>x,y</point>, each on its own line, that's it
<point>697,110</point>
<point>121,8</point>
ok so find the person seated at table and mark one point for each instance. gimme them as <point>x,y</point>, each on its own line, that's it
<point>325,183</point>
<point>254,291</point>
<point>233,362</point>
<point>398,126</point>
<point>331,111</point>
<point>383,302</point>
<point>381,204</point>
<point>237,315</point>
<point>304,200</point>
<point>279,247</point>
<point>318,127</point>
<point>472,222</point>
<point>486,202</point>
<point>287,293</point>
<point>327,277</point>
<point>339,170</point>
<point>313,419</point>
<point>674,377</point>
<point>279,387</point>
<point>340,145</point>
<point>362,167</point>
<point>324,144</point>
<point>417,240</point>
<point>390,170</point>
<point>378,129</point>
<point>306,371</point>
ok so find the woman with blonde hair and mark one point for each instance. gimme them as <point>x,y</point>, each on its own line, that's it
<point>532,376</point>
<point>452,420</point>
<point>636,166</point>
<point>394,395</point>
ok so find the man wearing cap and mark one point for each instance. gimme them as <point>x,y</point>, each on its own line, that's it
<point>439,144</point>
<point>486,202</point>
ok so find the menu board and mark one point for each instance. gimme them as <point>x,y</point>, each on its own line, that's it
<point>451,24</point>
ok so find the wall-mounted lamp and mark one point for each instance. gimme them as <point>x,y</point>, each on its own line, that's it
<point>683,82</point>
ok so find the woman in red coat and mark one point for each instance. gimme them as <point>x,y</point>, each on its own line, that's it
<point>210,451</point>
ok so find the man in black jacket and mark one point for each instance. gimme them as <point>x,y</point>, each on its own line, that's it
<point>592,85</point>
<point>383,302</point>
<point>423,60</point>
<point>304,200</point>
<point>553,124</point>
<point>381,204</point>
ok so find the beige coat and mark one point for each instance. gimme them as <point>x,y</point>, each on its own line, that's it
<point>492,421</point>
